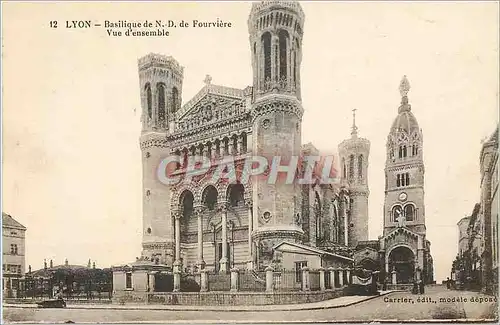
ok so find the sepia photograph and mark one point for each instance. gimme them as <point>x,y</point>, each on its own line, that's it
<point>250,162</point>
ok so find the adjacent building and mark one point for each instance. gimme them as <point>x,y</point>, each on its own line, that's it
<point>14,260</point>
<point>489,212</point>
<point>476,264</point>
<point>402,253</point>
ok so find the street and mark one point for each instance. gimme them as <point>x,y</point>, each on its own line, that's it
<point>397,306</point>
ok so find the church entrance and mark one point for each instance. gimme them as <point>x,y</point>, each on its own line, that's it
<point>401,260</point>
<point>218,256</point>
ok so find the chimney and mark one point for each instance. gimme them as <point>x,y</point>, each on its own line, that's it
<point>88,264</point>
<point>29,269</point>
<point>51,264</point>
<point>93,265</point>
<point>66,262</point>
<point>45,264</point>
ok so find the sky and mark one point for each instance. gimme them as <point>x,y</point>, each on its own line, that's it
<point>71,108</point>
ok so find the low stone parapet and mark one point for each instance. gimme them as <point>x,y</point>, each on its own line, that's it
<point>240,298</point>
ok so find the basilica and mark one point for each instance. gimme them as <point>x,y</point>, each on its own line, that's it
<point>217,225</point>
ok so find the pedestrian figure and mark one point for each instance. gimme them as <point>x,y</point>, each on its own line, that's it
<point>421,287</point>
<point>415,288</point>
<point>448,283</point>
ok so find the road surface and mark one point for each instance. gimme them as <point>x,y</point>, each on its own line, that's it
<point>437,303</point>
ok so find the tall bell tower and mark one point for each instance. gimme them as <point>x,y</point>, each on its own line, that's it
<point>160,80</point>
<point>404,170</point>
<point>354,153</point>
<point>276,31</point>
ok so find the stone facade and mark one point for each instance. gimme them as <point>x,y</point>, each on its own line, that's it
<point>489,213</point>
<point>220,224</point>
<point>14,259</point>
<point>403,252</point>
<point>353,155</point>
<point>463,237</point>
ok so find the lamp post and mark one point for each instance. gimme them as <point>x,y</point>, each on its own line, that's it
<point>231,226</point>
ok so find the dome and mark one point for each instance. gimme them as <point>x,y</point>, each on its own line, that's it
<point>405,121</point>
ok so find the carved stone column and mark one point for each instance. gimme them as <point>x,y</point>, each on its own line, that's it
<point>203,281</point>
<point>269,278</point>
<point>223,260</point>
<point>332,271</point>
<point>346,222</point>
<point>322,284</point>
<point>240,146</point>
<point>305,279</point>
<point>212,152</point>
<point>177,280</point>
<point>274,58</point>
<point>248,204</point>
<point>177,263</point>
<point>205,152</point>
<point>199,213</point>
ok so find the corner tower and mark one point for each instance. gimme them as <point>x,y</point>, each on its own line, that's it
<point>276,30</point>
<point>160,81</point>
<point>404,170</point>
<point>354,153</point>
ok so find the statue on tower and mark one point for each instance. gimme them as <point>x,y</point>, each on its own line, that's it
<point>404,87</point>
<point>401,219</point>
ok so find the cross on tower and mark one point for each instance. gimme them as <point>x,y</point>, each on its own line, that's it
<point>208,80</point>
<point>354,131</point>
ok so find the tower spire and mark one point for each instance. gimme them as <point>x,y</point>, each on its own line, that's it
<point>404,88</point>
<point>354,132</point>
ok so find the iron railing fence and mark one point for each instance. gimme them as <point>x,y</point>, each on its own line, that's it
<point>219,281</point>
<point>252,281</point>
<point>314,280</point>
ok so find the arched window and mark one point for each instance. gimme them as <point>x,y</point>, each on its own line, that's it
<point>351,166</point>
<point>404,152</point>
<point>236,194</point>
<point>318,216</point>
<point>415,150</point>
<point>283,42</point>
<point>175,99</point>
<point>187,200</point>
<point>149,100</point>
<point>409,212</point>
<point>360,166</point>
<point>266,43</point>
<point>160,88</point>
<point>296,52</point>
<point>210,197</point>
<point>397,210</point>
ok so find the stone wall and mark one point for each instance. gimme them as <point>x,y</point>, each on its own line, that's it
<point>227,298</point>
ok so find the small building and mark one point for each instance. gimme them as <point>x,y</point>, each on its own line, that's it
<point>14,260</point>
<point>143,275</point>
<point>293,256</point>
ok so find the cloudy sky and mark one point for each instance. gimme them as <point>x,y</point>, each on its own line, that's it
<point>71,107</point>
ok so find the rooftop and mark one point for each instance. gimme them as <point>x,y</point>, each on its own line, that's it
<point>8,221</point>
